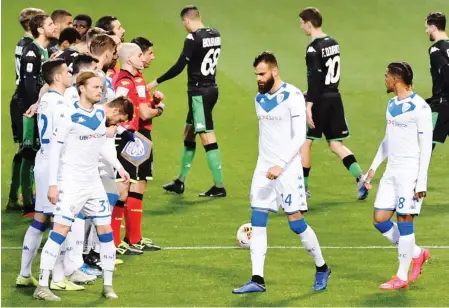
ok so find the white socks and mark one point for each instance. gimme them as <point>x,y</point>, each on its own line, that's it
<point>31,243</point>
<point>258,249</point>
<point>311,244</point>
<point>73,258</point>
<point>107,257</point>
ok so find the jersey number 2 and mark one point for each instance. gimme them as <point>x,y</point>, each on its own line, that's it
<point>43,117</point>
<point>333,73</point>
<point>210,62</point>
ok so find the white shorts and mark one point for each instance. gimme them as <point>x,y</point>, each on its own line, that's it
<point>397,193</point>
<point>286,191</point>
<point>43,205</point>
<point>89,199</point>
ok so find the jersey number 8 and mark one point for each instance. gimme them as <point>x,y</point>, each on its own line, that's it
<point>210,62</point>
<point>333,73</point>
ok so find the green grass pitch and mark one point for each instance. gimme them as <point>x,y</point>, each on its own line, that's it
<point>371,34</point>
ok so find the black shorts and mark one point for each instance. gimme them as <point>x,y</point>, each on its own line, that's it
<point>143,172</point>
<point>329,117</point>
<point>440,120</point>
<point>201,104</point>
<point>16,119</point>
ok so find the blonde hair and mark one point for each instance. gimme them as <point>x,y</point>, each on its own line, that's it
<point>26,15</point>
<point>83,78</point>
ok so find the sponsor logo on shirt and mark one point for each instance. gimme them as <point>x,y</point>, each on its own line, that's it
<point>92,136</point>
<point>394,123</point>
<point>270,118</point>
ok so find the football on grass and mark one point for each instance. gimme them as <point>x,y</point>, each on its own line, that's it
<point>244,235</point>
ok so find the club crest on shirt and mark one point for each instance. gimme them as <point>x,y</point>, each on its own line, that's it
<point>99,116</point>
<point>280,98</point>
<point>405,107</point>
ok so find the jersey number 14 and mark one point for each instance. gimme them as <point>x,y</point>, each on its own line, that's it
<point>333,73</point>
<point>210,61</point>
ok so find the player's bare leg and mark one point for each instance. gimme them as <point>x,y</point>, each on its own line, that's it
<point>107,255</point>
<point>31,243</point>
<point>119,211</point>
<point>177,186</point>
<point>306,161</point>
<point>351,164</point>
<point>134,219</point>
<point>213,154</point>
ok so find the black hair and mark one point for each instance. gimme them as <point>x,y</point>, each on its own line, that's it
<point>437,19</point>
<point>69,34</point>
<point>50,68</point>
<point>81,60</point>
<point>142,42</point>
<point>402,70</point>
<point>59,13</point>
<point>84,17</point>
<point>267,57</point>
<point>105,22</point>
<point>190,10</point>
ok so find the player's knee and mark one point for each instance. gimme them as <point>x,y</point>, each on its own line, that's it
<point>298,226</point>
<point>39,225</point>
<point>105,237</point>
<point>57,237</point>
<point>211,147</point>
<point>334,146</point>
<point>17,158</point>
<point>189,133</point>
<point>405,228</point>
<point>383,226</point>
<point>190,145</point>
<point>259,219</point>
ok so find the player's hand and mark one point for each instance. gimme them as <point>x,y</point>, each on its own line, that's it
<point>31,111</point>
<point>128,136</point>
<point>53,194</point>
<point>124,175</point>
<point>274,172</point>
<point>152,85</point>
<point>421,194</point>
<point>158,96</point>
<point>309,116</point>
<point>368,178</point>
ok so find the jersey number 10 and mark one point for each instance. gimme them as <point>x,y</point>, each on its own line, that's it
<point>333,73</point>
<point>210,62</point>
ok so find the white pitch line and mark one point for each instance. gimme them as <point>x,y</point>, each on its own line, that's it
<point>270,247</point>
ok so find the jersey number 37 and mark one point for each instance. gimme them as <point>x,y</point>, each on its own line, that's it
<point>210,61</point>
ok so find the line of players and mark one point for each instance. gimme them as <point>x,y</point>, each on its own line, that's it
<point>92,59</point>
<point>323,62</point>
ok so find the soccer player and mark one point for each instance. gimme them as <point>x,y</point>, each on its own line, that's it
<point>82,47</point>
<point>68,38</point>
<point>325,112</point>
<point>74,179</point>
<point>278,178</point>
<point>33,55</point>
<point>62,19</point>
<point>15,111</point>
<point>202,48</point>
<point>82,23</point>
<point>111,23</point>
<point>408,146</point>
<point>439,69</point>
<point>104,49</point>
<point>51,105</point>
<point>129,81</point>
